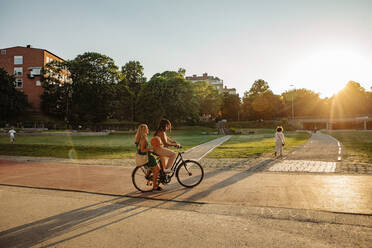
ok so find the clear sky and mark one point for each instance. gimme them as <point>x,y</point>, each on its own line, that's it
<point>318,45</point>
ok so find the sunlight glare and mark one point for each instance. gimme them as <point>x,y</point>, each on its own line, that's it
<point>328,71</point>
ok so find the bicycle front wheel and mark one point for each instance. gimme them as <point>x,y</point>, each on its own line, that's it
<point>190,173</point>
<point>142,179</point>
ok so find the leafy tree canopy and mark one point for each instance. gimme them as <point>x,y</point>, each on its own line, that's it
<point>88,96</point>
<point>209,100</point>
<point>133,76</point>
<point>350,101</point>
<point>259,87</point>
<point>12,101</point>
<point>230,106</point>
<point>168,95</point>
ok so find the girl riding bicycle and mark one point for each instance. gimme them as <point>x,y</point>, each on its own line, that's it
<point>160,142</point>
<point>143,149</point>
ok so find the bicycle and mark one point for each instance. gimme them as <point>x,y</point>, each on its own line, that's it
<point>189,173</point>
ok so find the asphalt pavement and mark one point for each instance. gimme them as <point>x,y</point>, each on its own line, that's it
<point>52,204</point>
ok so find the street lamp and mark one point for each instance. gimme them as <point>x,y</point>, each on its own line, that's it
<point>292,103</point>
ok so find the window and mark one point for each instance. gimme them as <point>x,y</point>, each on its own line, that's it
<point>38,83</point>
<point>18,60</point>
<point>18,71</point>
<point>35,71</point>
<point>3,51</point>
<point>19,83</point>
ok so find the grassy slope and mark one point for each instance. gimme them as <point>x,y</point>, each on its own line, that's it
<point>111,146</point>
<point>358,145</point>
<point>122,145</point>
<point>244,146</point>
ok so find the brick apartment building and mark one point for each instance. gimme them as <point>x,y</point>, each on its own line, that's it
<point>26,64</point>
<point>215,81</point>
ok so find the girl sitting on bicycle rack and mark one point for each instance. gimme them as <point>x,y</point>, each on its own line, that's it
<point>142,148</point>
<point>160,142</point>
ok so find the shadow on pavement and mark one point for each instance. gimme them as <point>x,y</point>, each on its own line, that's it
<point>62,224</point>
<point>228,181</point>
<point>43,230</point>
<point>224,183</point>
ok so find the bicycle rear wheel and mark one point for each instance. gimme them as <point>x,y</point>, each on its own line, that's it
<point>190,173</point>
<point>142,179</point>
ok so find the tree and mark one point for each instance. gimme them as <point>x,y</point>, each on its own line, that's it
<point>260,102</point>
<point>369,103</point>
<point>12,101</point>
<point>259,87</point>
<point>87,97</point>
<point>55,97</point>
<point>93,78</point>
<point>230,106</point>
<point>207,96</point>
<point>182,71</point>
<point>350,101</point>
<point>134,78</point>
<point>168,95</point>
<point>306,103</point>
<point>122,102</point>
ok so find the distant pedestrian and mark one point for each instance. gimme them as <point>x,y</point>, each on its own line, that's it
<point>279,141</point>
<point>12,135</point>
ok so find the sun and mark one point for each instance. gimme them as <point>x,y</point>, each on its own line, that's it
<point>327,71</point>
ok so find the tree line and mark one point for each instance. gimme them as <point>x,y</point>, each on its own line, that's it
<point>91,89</point>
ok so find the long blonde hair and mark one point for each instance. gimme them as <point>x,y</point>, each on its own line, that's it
<point>141,133</point>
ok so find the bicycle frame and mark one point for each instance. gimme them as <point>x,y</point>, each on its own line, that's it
<point>165,178</point>
<point>179,160</point>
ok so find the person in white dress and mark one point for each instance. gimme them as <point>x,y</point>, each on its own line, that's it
<point>12,135</point>
<point>279,141</point>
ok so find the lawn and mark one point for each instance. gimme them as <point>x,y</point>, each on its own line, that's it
<point>262,141</point>
<point>119,145</point>
<point>358,145</point>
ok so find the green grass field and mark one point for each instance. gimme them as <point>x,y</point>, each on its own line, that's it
<point>358,145</point>
<point>119,145</point>
<point>262,141</point>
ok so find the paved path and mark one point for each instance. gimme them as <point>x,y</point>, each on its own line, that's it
<point>320,154</point>
<point>50,218</point>
<point>320,147</point>
<point>349,194</point>
<point>200,151</point>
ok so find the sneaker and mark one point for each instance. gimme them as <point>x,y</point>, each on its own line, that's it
<point>167,171</point>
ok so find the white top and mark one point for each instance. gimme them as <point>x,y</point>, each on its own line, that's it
<point>279,137</point>
<point>12,132</point>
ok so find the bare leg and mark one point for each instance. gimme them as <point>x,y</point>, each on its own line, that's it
<point>166,154</point>
<point>162,162</point>
<point>155,176</point>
